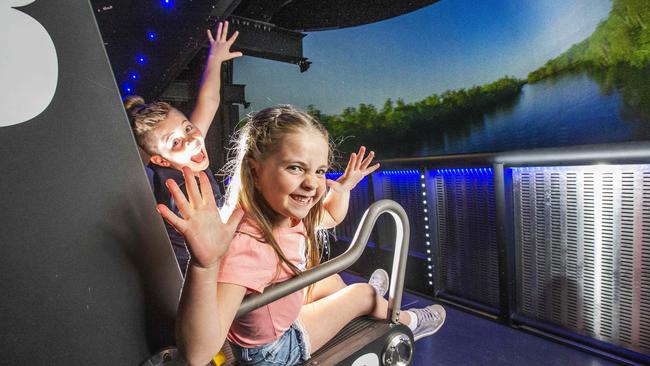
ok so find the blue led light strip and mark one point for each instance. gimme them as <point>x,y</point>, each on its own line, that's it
<point>464,171</point>
<point>427,231</point>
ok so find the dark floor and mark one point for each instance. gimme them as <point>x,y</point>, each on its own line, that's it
<point>468,339</point>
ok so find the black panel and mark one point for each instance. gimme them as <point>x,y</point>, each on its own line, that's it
<point>88,276</point>
<point>309,15</point>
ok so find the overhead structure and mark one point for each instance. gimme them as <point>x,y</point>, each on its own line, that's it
<point>150,42</point>
<point>316,15</point>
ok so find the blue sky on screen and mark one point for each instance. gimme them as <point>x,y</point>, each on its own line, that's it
<point>451,44</point>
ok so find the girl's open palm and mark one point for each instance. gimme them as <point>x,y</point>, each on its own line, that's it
<point>207,236</point>
<point>358,167</point>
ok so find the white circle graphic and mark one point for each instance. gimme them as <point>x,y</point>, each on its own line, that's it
<point>28,66</point>
<point>369,359</point>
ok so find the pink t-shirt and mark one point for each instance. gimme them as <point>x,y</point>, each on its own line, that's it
<point>254,265</point>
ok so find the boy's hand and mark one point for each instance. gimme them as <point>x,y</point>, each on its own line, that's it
<point>207,236</point>
<point>355,171</point>
<point>220,45</point>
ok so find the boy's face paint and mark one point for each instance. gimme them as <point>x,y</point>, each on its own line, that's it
<point>180,143</point>
<point>292,180</point>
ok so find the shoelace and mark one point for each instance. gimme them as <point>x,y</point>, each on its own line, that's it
<point>377,285</point>
<point>426,314</point>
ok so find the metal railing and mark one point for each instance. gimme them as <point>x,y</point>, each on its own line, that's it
<point>345,260</point>
<point>510,271</point>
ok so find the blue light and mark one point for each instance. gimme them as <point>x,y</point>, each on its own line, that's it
<point>401,172</point>
<point>128,88</point>
<point>142,60</point>
<point>464,171</point>
<point>152,36</point>
<point>333,175</point>
<point>167,3</point>
<point>133,76</point>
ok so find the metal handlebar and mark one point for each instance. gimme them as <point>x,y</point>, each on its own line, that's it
<point>345,260</point>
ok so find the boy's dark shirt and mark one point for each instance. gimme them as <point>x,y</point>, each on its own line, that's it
<point>163,196</point>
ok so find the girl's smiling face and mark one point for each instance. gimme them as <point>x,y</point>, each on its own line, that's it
<point>292,179</point>
<point>180,143</point>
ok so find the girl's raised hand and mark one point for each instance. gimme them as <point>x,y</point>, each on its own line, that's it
<point>358,167</point>
<point>207,236</point>
<point>220,44</point>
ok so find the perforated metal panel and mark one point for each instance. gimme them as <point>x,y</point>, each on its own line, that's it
<point>466,233</point>
<point>583,240</point>
<point>359,203</point>
<point>404,187</point>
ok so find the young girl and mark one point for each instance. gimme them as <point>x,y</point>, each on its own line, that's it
<point>279,188</point>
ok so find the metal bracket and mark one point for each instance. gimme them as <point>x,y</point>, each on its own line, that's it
<point>265,40</point>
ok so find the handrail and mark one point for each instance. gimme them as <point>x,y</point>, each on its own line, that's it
<point>345,260</point>
<point>610,153</point>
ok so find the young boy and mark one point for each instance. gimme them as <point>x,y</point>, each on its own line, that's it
<point>173,141</point>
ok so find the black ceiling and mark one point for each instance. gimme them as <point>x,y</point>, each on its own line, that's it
<point>149,42</point>
<point>311,15</point>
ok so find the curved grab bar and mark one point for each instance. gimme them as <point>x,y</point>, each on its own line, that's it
<point>345,260</point>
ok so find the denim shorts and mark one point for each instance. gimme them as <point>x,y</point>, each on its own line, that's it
<point>291,348</point>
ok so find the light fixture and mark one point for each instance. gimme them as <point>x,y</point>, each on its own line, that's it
<point>423,184</point>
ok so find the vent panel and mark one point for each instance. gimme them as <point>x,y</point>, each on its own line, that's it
<point>465,234</point>
<point>583,250</point>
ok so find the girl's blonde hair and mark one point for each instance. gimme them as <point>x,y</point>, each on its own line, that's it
<point>259,138</point>
<point>144,117</point>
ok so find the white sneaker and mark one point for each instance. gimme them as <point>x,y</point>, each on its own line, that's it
<point>430,319</point>
<point>380,281</point>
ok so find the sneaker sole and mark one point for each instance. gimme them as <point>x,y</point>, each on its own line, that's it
<point>387,276</point>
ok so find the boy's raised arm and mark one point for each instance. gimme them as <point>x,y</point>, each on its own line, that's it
<point>338,198</point>
<point>207,101</point>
